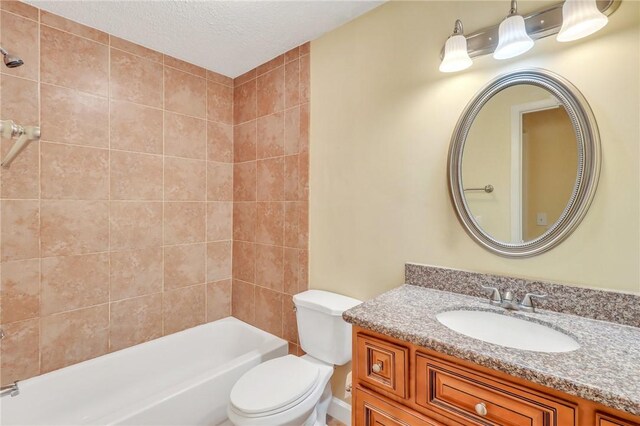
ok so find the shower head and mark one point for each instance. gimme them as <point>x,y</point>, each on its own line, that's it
<point>10,60</point>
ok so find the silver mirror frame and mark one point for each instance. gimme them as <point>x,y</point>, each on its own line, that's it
<point>589,160</point>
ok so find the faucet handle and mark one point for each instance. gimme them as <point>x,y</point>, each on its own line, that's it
<point>495,298</point>
<point>527,301</point>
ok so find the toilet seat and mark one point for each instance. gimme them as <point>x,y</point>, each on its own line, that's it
<point>274,386</point>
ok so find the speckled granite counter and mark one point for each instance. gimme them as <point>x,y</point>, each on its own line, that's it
<point>605,369</point>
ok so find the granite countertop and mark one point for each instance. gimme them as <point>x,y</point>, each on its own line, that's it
<point>605,369</point>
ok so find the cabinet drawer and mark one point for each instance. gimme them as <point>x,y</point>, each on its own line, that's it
<point>478,400</point>
<point>370,410</point>
<point>383,365</point>
<point>606,420</point>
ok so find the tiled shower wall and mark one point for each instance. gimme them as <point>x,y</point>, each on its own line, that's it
<point>271,192</point>
<point>116,228</point>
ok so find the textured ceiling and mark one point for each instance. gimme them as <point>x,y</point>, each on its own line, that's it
<point>229,37</point>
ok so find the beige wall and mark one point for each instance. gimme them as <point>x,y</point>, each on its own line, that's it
<point>381,120</point>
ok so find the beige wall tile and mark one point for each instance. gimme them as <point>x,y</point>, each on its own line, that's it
<point>244,181</point>
<point>270,92</point>
<point>292,131</point>
<point>270,266</point>
<point>136,49</point>
<point>22,179</point>
<point>136,127</point>
<point>135,225</point>
<point>20,290</point>
<point>291,178</point>
<point>219,78</point>
<point>184,179</point>
<point>72,337</point>
<point>185,93</point>
<point>220,181</point>
<point>244,261</point>
<point>21,35</point>
<point>73,27</point>
<point>271,135</point>
<point>20,8</point>
<point>292,84</point>
<point>270,65</point>
<point>218,300</point>
<point>74,282</point>
<point>245,141</point>
<point>244,102</point>
<point>247,76</point>
<point>270,179</point>
<point>74,172</point>
<point>183,308</point>
<point>219,220</point>
<point>184,66</point>
<point>184,222</point>
<point>219,142</point>
<point>270,223</point>
<point>136,273</point>
<point>219,260</point>
<point>243,301</point>
<point>20,229</point>
<point>184,265</point>
<point>185,136</point>
<point>21,100</point>
<point>136,176</point>
<point>69,116</point>
<point>74,227</point>
<point>135,79</point>
<point>244,221</point>
<point>291,270</point>
<point>19,352</point>
<point>269,310</point>
<point>74,62</point>
<point>219,103</point>
<point>135,321</point>
<point>305,80</point>
<point>292,54</point>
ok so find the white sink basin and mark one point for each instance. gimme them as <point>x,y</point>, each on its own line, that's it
<point>507,331</point>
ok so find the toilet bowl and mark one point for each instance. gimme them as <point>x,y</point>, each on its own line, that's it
<point>291,390</point>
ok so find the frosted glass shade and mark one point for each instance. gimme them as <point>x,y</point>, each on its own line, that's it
<point>580,18</point>
<point>513,39</point>
<point>456,57</point>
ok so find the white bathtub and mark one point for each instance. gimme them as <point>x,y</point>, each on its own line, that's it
<point>180,379</point>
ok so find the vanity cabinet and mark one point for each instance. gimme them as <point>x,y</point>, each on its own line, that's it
<point>397,383</point>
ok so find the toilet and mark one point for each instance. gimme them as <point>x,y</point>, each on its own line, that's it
<point>291,390</point>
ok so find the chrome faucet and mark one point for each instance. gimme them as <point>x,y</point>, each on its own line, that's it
<point>11,389</point>
<point>511,302</point>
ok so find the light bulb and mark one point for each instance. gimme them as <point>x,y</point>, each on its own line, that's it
<point>456,57</point>
<point>513,39</point>
<point>580,18</point>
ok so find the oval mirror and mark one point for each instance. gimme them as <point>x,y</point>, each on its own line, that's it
<point>524,163</point>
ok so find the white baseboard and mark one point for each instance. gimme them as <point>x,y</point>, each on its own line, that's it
<point>340,410</point>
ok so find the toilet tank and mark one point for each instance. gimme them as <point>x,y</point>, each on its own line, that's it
<point>323,333</point>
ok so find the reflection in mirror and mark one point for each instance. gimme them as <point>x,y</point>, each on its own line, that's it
<point>523,144</point>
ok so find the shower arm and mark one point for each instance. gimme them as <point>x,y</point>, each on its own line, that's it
<point>25,135</point>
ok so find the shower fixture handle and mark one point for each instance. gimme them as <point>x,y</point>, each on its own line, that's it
<point>27,134</point>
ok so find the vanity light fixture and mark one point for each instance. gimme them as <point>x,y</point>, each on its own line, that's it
<point>456,57</point>
<point>580,18</point>
<point>569,19</point>
<point>513,39</point>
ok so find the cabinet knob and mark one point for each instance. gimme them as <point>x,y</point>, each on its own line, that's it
<point>481,409</point>
<point>377,367</point>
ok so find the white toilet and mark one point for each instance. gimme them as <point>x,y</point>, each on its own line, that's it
<point>293,390</point>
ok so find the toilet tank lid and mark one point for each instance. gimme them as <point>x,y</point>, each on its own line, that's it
<point>325,301</point>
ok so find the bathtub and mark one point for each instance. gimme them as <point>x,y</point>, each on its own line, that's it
<point>181,379</point>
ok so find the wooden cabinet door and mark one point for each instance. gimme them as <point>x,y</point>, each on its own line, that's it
<point>477,400</point>
<point>606,420</point>
<point>382,365</point>
<point>369,410</point>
